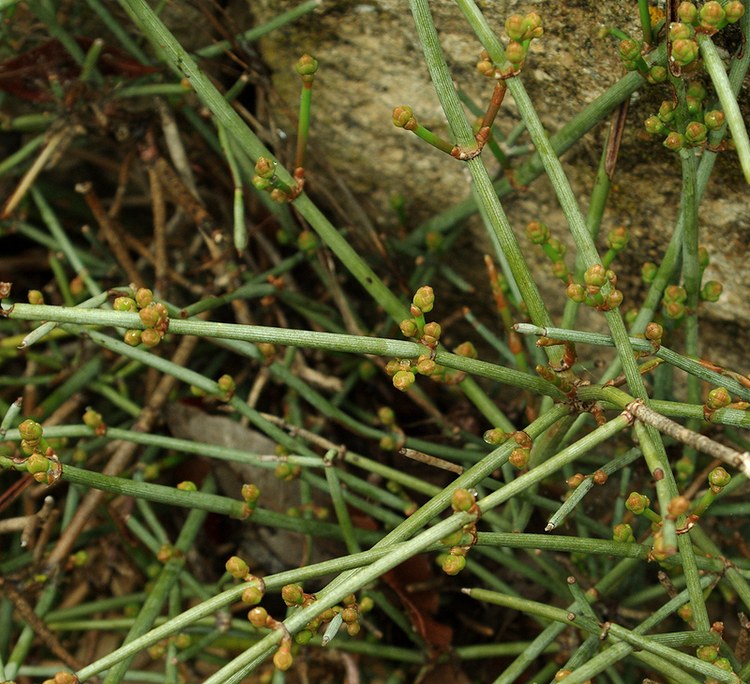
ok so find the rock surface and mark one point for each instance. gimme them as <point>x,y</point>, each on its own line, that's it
<point>370,61</point>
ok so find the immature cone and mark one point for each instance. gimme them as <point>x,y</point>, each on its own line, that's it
<point>306,67</point>
<point>462,499</point>
<point>515,27</point>
<point>637,503</point>
<point>292,594</point>
<point>674,141</point>
<point>282,659</point>
<point>424,298</point>
<point>734,11</point>
<point>718,398</point>
<point>538,232</point>
<point>712,14</point>
<point>684,51</point>
<point>403,117</point>
<point>687,12</point>
<point>237,567</point>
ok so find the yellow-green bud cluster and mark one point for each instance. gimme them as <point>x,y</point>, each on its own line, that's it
<point>153,315</point>
<point>41,460</point>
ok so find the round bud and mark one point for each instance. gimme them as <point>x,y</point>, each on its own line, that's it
<point>132,338</point>
<point>452,565</point>
<point>35,297</point>
<point>712,13</point>
<point>143,297</point>
<point>595,275</point>
<point>714,119</point>
<point>687,12</point>
<point>515,27</point>
<point>30,431</point>
<point>403,379</point>
<point>679,31</point>
<point>409,328</point>
<point>92,419</point>
<point>718,398</point>
<point>250,493</point>
<point>734,11</point>
<point>614,299</point>
<point>252,595</point>
<point>695,133</point>
<point>425,366</point>
<point>433,329</point>
<point>576,292</point>
<point>306,66</point>
<point>637,503</point>
<point>292,595</point>
<point>424,298</point>
<point>237,567</point>
<point>466,349</point>
<point>307,241</point>
<point>648,272</point>
<point>712,291</point>
<point>666,111</point>
<point>719,477</point>
<point>675,293</point>
<point>150,337</point>
<point>657,74</point>
<point>515,53</point>
<point>126,304</point>
<point>538,232</point>
<point>684,51</point>
<point>654,332</point>
<point>629,50</point>
<point>618,238</point>
<point>495,436</point>
<point>403,117</point>
<point>265,168</point>
<point>462,499</point>
<point>623,533</point>
<point>282,659</point>
<point>674,141</point>
<point>519,458</point>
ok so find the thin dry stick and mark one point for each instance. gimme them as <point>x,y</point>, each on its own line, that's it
<point>123,176</point>
<point>58,141</point>
<point>159,211</point>
<point>111,233</point>
<point>122,456</point>
<point>741,461</point>
<point>433,461</point>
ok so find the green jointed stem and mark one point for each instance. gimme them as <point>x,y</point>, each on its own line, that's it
<point>433,139</point>
<point>645,16</point>
<point>734,118</point>
<point>295,338</point>
<point>238,201</point>
<point>303,128</point>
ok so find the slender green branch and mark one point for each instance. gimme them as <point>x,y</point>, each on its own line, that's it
<point>735,120</point>
<point>306,339</point>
